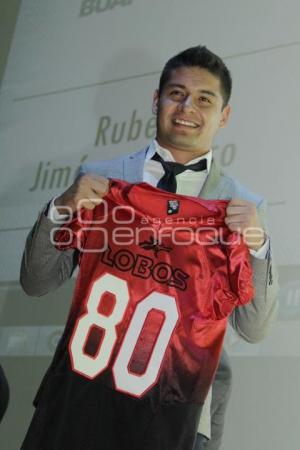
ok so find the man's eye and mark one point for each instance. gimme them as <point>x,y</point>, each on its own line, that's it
<point>204,100</point>
<point>176,93</point>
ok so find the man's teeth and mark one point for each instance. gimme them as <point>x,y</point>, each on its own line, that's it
<point>186,123</point>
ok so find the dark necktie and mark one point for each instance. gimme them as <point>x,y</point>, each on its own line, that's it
<point>168,180</point>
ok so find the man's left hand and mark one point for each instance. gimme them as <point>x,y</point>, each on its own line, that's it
<point>241,216</point>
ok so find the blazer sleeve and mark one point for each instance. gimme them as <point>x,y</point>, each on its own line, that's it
<point>44,268</point>
<point>254,321</point>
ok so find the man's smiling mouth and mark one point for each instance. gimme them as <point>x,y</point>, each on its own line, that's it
<point>185,123</point>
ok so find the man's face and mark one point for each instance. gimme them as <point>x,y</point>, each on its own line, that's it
<point>189,112</point>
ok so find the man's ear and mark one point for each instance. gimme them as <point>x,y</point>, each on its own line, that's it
<point>155,102</point>
<point>225,116</point>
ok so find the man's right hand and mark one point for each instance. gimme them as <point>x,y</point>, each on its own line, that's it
<point>87,192</point>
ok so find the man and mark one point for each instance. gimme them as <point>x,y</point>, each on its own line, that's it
<point>191,104</point>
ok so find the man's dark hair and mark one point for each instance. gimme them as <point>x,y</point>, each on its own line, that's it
<point>203,58</point>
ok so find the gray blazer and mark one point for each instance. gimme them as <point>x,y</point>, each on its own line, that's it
<point>44,269</point>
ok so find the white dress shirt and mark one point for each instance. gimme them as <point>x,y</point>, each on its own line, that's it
<point>189,182</point>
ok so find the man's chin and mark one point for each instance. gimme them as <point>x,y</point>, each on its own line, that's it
<point>184,145</point>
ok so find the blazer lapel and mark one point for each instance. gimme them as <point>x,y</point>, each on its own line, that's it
<point>216,185</point>
<point>133,166</point>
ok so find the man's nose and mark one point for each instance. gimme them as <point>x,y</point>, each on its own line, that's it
<point>187,102</point>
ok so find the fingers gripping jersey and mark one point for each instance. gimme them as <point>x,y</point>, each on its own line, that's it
<point>159,275</point>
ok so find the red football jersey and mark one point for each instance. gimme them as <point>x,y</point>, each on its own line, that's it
<point>159,275</point>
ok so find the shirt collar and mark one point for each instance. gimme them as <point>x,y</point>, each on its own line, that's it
<point>167,155</point>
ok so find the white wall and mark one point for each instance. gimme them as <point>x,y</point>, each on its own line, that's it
<point>68,73</point>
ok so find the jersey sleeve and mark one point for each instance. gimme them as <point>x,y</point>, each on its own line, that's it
<point>239,269</point>
<point>233,286</point>
<point>74,234</point>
